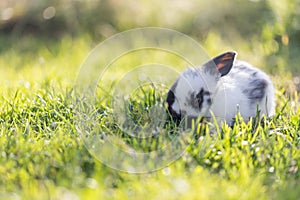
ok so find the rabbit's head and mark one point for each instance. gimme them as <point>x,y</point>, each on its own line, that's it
<point>191,94</point>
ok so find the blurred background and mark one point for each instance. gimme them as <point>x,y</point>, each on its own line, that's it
<point>264,32</point>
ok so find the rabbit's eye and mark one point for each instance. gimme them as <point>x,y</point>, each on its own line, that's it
<point>195,100</point>
<point>209,101</point>
<point>207,97</point>
<point>203,96</point>
<point>200,97</point>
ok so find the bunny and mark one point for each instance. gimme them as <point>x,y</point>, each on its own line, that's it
<point>222,87</point>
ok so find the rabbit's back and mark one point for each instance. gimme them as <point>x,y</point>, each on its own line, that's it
<point>245,89</point>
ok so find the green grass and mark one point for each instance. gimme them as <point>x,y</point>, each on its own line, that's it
<point>43,156</point>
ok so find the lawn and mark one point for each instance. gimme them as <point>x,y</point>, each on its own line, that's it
<point>43,155</point>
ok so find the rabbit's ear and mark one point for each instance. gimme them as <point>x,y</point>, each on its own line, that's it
<point>223,62</point>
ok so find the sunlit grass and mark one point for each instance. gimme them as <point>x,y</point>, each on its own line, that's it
<point>42,155</point>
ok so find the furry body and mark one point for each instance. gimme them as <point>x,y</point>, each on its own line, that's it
<point>223,87</point>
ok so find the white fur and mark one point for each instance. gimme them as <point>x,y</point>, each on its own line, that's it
<point>226,92</point>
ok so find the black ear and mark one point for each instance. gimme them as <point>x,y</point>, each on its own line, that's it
<point>223,62</point>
